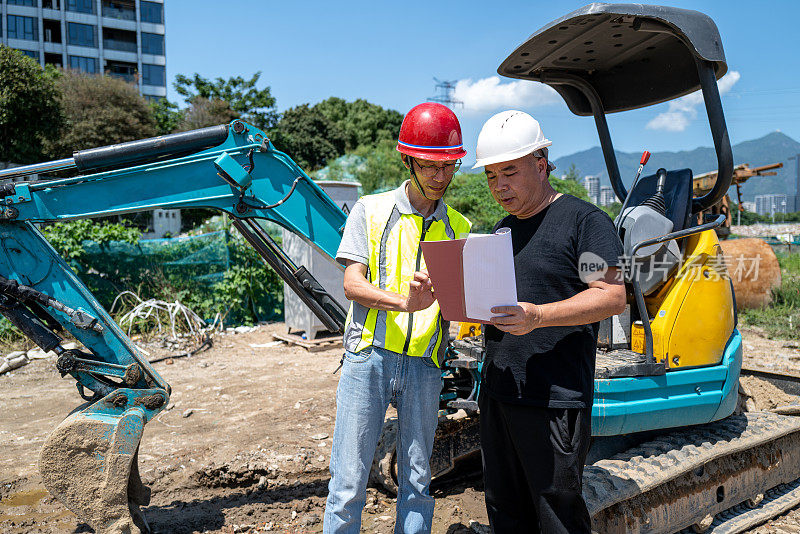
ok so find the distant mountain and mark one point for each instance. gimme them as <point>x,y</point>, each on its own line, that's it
<point>772,148</point>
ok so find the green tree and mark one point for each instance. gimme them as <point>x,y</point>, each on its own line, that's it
<point>256,106</point>
<point>361,122</point>
<point>316,135</point>
<point>747,217</point>
<point>166,115</point>
<point>29,107</point>
<point>469,194</point>
<point>203,112</point>
<point>382,167</point>
<point>573,174</point>
<point>309,138</point>
<point>612,209</point>
<point>99,111</point>
<point>250,291</point>
<point>569,187</point>
<point>68,237</point>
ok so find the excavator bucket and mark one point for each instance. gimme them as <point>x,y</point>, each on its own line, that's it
<point>90,464</point>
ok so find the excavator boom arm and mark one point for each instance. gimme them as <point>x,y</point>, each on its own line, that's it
<point>89,461</point>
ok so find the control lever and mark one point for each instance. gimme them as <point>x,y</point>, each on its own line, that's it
<point>657,201</point>
<point>642,163</point>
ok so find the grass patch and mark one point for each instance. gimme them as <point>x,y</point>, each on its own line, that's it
<point>782,318</point>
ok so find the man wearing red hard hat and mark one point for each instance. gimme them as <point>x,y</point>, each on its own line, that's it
<point>395,337</point>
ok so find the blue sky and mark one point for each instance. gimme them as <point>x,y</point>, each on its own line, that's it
<point>389,52</point>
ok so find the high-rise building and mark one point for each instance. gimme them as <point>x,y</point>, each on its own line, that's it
<point>123,38</point>
<point>607,196</point>
<point>592,185</point>
<point>771,204</point>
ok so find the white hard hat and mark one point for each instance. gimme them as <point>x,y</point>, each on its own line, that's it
<point>510,135</point>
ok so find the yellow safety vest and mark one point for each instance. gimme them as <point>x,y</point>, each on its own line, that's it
<point>394,255</point>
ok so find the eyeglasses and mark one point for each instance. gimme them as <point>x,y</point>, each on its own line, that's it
<point>429,171</point>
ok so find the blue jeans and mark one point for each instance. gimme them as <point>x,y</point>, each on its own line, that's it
<point>370,381</point>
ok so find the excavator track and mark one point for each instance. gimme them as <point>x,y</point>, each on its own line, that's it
<point>752,513</point>
<point>699,476</point>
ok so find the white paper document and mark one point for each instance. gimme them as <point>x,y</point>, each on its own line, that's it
<point>489,276</point>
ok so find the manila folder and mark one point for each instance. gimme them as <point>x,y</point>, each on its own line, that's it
<point>470,276</point>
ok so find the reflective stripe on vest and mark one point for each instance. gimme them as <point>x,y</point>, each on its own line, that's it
<point>394,256</point>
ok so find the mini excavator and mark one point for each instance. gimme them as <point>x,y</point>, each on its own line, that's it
<point>669,453</point>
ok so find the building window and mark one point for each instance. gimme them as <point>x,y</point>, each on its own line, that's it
<point>81,6</point>
<point>152,43</point>
<point>122,40</point>
<point>31,54</point>
<point>53,59</point>
<point>86,64</point>
<point>151,12</point>
<point>51,4</point>
<point>23,28</point>
<point>52,31</point>
<point>121,69</point>
<point>30,3</point>
<point>119,9</point>
<point>154,75</point>
<point>81,34</point>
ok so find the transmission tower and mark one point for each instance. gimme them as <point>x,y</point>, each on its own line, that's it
<point>445,91</point>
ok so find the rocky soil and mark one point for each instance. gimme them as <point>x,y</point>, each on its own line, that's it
<point>245,443</point>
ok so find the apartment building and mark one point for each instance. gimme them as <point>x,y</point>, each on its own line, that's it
<point>771,204</point>
<point>592,185</point>
<point>123,38</point>
<point>607,196</point>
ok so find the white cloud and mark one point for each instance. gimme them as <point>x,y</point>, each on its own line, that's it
<point>684,110</point>
<point>489,94</point>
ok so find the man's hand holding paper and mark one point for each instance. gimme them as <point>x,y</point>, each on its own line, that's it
<point>519,319</point>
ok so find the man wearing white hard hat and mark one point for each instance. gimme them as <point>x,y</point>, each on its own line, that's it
<point>536,395</point>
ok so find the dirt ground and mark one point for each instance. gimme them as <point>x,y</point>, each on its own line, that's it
<point>245,443</point>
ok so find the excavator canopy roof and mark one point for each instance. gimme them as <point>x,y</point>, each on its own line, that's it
<point>633,55</point>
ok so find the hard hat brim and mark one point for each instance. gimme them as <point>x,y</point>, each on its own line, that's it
<point>516,154</point>
<point>432,154</point>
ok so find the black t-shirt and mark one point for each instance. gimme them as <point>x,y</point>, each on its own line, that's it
<point>553,366</point>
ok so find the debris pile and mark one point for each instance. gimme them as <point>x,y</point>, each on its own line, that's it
<point>20,358</point>
<point>766,230</point>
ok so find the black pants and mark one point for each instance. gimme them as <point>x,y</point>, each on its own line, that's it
<point>533,467</point>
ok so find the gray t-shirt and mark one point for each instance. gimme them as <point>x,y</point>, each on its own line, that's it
<point>355,246</point>
<point>355,240</point>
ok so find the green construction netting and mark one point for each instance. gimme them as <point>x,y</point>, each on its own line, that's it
<point>210,273</point>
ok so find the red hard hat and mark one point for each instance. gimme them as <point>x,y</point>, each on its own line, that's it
<point>431,131</point>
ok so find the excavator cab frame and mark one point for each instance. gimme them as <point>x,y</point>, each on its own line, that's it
<point>607,58</point>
